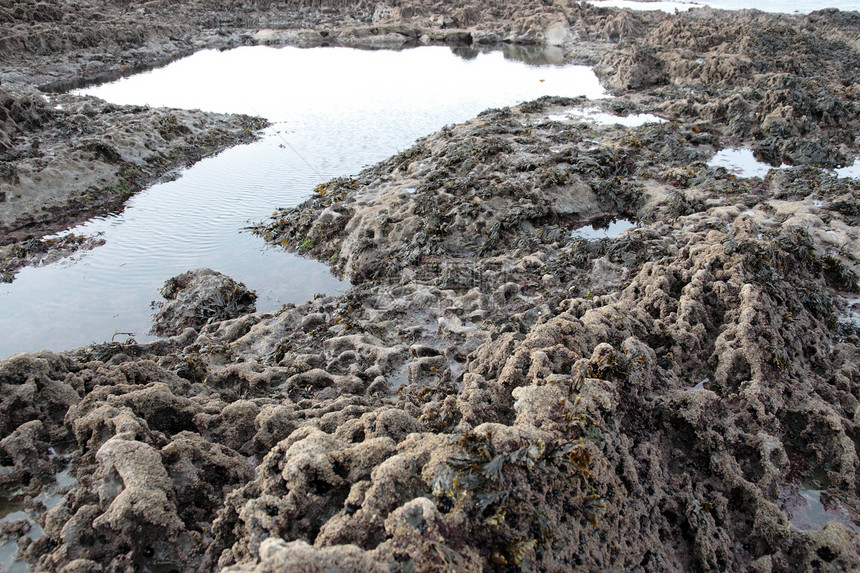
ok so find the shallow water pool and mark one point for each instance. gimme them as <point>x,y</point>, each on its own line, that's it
<point>334,111</point>
<point>742,162</point>
<point>781,6</point>
<point>605,229</point>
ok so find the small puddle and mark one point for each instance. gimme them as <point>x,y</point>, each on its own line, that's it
<point>812,509</point>
<point>603,118</point>
<point>700,385</point>
<point>852,170</point>
<point>35,531</point>
<point>741,162</point>
<point>670,7</point>
<point>851,318</point>
<point>399,378</point>
<point>10,502</point>
<point>604,229</point>
<point>51,496</point>
<point>782,6</point>
<point>13,507</point>
<point>9,561</point>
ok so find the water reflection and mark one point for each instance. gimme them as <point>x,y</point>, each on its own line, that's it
<point>782,6</point>
<point>335,111</point>
<point>741,162</point>
<point>530,55</point>
<point>812,509</point>
<point>603,229</point>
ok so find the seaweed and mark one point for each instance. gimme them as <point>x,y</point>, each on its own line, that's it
<point>484,481</point>
<point>839,275</point>
<point>593,508</point>
<point>790,261</point>
<point>189,366</point>
<point>104,351</point>
<point>607,367</point>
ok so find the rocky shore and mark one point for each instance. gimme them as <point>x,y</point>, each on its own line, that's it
<point>497,391</point>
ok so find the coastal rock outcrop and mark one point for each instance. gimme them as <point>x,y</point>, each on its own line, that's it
<point>503,387</point>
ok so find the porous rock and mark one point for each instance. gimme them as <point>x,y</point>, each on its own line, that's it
<point>200,297</point>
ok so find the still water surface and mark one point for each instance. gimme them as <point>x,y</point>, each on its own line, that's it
<point>779,6</point>
<point>334,111</point>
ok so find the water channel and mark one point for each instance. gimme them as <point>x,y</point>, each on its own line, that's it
<point>779,6</point>
<point>333,112</point>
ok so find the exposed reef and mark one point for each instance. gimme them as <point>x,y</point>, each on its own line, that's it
<point>496,392</point>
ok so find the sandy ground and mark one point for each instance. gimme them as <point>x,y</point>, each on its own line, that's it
<point>496,392</point>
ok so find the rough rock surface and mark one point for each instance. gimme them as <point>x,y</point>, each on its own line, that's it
<point>200,297</point>
<point>496,392</point>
